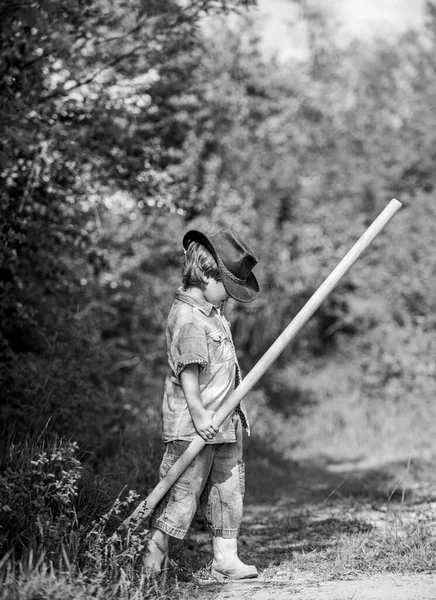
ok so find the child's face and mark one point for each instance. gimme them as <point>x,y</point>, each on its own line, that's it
<point>215,292</point>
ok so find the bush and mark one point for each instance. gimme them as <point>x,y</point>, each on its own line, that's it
<point>38,490</point>
<point>52,507</point>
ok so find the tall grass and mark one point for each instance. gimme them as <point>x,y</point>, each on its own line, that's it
<point>41,579</point>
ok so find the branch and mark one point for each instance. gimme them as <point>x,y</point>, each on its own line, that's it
<point>122,37</point>
<point>60,92</point>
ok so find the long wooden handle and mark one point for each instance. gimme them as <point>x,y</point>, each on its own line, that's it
<point>274,351</point>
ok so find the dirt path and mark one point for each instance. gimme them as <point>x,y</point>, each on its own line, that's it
<point>331,532</point>
<point>377,587</point>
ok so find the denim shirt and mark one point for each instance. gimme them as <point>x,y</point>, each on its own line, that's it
<point>197,332</point>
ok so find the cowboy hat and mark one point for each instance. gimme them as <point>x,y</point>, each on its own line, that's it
<point>234,259</point>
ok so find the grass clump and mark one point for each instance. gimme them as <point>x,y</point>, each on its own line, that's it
<point>400,546</point>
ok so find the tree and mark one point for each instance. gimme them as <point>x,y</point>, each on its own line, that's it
<point>93,105</point>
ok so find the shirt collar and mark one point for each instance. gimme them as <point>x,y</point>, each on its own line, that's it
<point>203,305</point>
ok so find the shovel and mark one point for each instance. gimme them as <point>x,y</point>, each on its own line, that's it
<point>145,508</point>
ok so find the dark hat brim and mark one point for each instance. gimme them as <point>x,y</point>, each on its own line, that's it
<point>242,292</point>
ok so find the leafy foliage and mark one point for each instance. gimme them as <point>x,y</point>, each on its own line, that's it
<point>39,487</point>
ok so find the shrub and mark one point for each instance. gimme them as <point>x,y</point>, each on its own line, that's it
<point>38,490</point>
<point>54,508</point>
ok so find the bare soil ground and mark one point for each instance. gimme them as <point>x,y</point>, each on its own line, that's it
<point>327,531</point>
<point>376,587</point>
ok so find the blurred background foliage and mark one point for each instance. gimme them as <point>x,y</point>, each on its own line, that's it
<point>123,124</point>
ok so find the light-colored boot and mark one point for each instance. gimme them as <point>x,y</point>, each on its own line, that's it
<point>157,552</point>
<point>226,564</point>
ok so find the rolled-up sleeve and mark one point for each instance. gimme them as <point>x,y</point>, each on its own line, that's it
<point>189,346</point>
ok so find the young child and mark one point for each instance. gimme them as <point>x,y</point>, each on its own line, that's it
<point>203,372</point>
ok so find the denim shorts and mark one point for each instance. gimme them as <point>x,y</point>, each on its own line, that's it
<point>215,481</point>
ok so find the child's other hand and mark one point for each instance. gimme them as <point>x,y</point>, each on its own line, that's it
<point>205,426</point>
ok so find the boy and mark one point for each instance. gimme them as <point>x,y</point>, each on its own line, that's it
<point>203,372</point>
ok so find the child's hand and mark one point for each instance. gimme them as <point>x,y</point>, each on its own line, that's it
<point>202,418</point>
<point>205,425</point>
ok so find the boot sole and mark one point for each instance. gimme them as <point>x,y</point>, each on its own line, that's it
<point>225,577</point>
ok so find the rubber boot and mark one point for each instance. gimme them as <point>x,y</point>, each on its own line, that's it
<point>226,564</point>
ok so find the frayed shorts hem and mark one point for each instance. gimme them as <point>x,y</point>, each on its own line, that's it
<point>180,534</point>
<point>227,534</point>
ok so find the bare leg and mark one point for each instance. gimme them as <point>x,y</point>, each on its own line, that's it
<point>157,550</point>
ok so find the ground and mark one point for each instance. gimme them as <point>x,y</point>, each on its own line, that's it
<point>377,587</point>
<point>318,530</point>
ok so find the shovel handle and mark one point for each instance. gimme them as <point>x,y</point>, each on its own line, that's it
<point>274,351</point>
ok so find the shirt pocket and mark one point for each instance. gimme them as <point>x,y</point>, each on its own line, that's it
<point>220,346</point>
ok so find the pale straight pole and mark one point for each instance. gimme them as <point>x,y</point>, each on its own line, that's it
<point>146,507</point>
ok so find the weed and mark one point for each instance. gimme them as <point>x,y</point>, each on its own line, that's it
<point>38,489</point>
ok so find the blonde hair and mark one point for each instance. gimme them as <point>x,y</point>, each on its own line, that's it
<point>199,264</point>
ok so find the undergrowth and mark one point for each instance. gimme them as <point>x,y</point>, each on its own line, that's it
<point>59,529</point>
